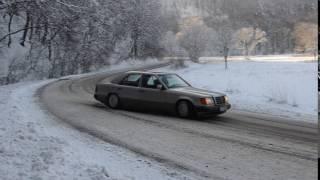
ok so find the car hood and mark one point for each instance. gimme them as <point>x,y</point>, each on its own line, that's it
<point>197,92</point>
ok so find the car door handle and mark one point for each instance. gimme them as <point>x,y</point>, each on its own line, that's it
<point>142,91</point>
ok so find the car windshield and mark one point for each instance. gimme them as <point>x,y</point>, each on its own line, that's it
<point>173,81</point>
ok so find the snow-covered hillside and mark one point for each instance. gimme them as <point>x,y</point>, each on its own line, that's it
<point>287,89</point>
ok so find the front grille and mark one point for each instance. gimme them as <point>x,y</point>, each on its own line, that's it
<point>219,100</point>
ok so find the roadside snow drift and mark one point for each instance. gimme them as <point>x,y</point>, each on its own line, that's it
<point>287,89</point>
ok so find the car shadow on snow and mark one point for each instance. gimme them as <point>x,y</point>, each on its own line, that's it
<point>162,114</point>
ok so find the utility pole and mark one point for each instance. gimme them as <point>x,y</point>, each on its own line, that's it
<point>226,53</point>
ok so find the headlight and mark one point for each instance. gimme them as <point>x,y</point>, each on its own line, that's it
<point>226,99</point>
<point>206,101</point>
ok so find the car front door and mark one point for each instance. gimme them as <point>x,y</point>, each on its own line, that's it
<point>151,96</point>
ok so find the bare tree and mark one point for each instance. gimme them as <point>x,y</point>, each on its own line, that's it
<point>194,41</point>
<point>145,27</point>
<point>305,44</point>
<point>173,49</point>
<point>171,45</point>
<point>248,38</point>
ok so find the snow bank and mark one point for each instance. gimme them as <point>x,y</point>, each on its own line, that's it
<point>265,58</point>
<point>262,58</point>
<point>135,62</point>
<point>34,145</point>
<point>278,88</point>
<point>131,63</point>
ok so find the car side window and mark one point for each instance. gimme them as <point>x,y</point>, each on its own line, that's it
<point>131,80</point>
<point>149,81</point>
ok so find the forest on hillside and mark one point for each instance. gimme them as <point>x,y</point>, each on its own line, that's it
<point>248,27</point>
<point>52,38</point>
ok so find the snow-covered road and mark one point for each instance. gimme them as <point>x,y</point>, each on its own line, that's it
<point>236,145</point>
<point>36,145</point>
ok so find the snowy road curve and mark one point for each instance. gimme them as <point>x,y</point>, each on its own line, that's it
<point>236,145</point>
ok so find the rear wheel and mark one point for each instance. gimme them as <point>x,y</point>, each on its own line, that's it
<point>113,101</point>
<point>185,109</point>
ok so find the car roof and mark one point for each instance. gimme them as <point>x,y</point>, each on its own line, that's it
<point>147,72</point>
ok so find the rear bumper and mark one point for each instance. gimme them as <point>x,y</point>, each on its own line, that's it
<point>213,109</point>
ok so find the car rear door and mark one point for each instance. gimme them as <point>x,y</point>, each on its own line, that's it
<point>128,90</point>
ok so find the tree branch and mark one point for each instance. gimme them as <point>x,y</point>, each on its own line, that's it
<point>18,31</point>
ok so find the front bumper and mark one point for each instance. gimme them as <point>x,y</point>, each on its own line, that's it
<point>217,109</point>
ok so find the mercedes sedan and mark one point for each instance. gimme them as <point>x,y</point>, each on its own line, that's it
<point>160,91</point>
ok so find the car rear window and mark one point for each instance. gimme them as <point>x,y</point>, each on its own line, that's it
<point>131,80</point>
<point>149,81</point>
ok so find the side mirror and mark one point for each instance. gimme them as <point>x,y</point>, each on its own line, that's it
<point>160,86</point>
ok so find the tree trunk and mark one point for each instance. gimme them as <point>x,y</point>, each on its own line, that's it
<point>135,48</point>
<point>26,28</point>
<point>246,51</point>
<point>9,29</point>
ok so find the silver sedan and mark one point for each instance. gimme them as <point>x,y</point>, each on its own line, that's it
<point>160,91</point>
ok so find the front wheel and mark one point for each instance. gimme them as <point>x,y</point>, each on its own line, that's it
<point>113,101</point>
<point>185,109</point>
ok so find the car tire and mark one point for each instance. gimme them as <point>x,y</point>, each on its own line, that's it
<point>185,109</point>
<point>113,101</point>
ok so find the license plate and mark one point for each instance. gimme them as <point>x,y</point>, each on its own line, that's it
<point>223,108</point>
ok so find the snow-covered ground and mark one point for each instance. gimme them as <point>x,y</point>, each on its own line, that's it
<point>286,89</point>
<point>35,145</point>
